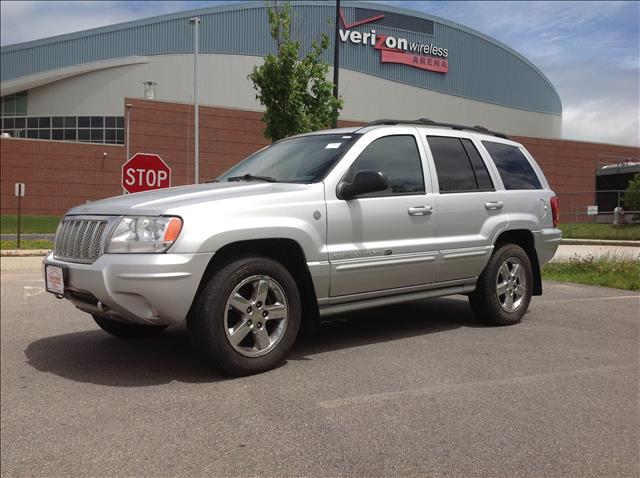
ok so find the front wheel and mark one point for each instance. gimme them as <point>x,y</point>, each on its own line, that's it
<point>504,288</point>
<point>126,330</point>
<point>246,317</point>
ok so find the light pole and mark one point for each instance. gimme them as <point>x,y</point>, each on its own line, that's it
<point>128,106</point>
<point>336,56</point>
<point>196,149</point>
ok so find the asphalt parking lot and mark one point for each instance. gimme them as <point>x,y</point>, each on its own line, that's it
<point>415,390</point>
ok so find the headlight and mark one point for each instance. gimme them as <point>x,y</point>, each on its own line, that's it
<point>144,234</point>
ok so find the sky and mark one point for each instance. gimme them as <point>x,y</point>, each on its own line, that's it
<point>589,50</point>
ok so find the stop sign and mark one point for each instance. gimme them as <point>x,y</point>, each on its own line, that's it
<point>144,172</point>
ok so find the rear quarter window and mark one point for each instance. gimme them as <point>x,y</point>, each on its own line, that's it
<point>514,168</point>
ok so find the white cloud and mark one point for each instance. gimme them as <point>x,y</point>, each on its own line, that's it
<point>26,20</point>
<point>602,120</point>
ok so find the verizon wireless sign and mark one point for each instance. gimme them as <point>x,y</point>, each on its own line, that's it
<point>394,49</point>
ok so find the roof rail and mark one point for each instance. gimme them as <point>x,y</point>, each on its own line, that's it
<point>428,122</point>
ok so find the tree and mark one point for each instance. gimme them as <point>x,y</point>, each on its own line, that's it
<point>295,92</point>
<point>631,197</point>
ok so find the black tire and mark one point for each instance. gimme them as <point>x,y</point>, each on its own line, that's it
<point>206,323</point>
<point>485,301</point>
<point>128,331</point>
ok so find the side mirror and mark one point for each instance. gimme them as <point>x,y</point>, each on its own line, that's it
<point>367,181</point>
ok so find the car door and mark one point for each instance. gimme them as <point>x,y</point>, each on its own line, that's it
<point>470,207</point>
<point>384,240</point>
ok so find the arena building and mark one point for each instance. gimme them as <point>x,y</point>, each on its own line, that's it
<point>394,63</point>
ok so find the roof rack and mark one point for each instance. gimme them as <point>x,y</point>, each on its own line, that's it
<point>428,122</point>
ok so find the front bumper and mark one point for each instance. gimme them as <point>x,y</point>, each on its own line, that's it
<point>546,242</point>
<point>153,289</point>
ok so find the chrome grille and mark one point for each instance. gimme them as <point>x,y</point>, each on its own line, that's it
<point>80,240</point>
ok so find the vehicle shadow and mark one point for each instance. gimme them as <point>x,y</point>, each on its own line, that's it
<point>95,357</point>
<point>383,324</point>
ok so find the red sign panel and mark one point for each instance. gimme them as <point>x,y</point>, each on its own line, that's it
<point>144,172</point>
<point>417,61</point>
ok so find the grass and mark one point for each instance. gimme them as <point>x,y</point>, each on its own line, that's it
<point>26,244</point>
<point>603,271</point>
<point>29,224</point>
<point>582,230</point>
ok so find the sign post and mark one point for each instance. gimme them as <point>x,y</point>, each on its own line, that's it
<point>145,172</point>
<point>20,191</point>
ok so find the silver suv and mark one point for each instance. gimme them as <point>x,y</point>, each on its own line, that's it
<point>310,226</point>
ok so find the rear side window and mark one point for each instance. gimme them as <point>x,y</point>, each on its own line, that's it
<point>459,165</point>
<point>398,158</point>
<point>514,168</point>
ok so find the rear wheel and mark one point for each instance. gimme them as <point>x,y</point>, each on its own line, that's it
<point>504,288</point>
<point>246,317</point>
<point>127,330</point>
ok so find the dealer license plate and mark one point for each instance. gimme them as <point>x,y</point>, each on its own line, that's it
<point>54,279</point>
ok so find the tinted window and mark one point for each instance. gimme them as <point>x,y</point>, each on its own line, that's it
<point>479,168</point>
<point>453,166</point>
<point>398,158</point>
<point>514,168</point>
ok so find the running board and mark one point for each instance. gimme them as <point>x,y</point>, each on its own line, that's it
<point>332,309</point>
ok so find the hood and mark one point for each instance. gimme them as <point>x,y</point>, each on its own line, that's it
<point>166,201</point>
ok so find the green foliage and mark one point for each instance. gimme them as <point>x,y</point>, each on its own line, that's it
<point>632,194</point>
<point>27,244</point>
<point>296,94</point>
<point>585,230</point>
<point>29,224</point>
<point>604,271</point>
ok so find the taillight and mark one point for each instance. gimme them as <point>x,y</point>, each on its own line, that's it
<point>555,210</point>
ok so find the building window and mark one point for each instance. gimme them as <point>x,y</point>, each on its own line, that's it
<point>14,105</point>
<point>88,129</point>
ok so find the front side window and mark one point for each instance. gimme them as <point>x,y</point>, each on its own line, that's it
<point>514,168</point>
<point>458,165</point>
<point>398,158</point>
<point>295,160</point>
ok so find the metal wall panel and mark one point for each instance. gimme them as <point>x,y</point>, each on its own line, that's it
<point>479,68</point>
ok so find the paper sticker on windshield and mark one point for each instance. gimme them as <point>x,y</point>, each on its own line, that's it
<point>332,146</point>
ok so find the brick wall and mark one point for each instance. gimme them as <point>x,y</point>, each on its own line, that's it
<point>60,175</point>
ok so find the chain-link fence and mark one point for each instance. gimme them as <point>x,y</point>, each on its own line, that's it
<point>598,207</point>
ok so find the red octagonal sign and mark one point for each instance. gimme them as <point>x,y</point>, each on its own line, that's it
<point>144,172</point>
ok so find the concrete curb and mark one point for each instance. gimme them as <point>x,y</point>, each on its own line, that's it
<point>24,252</point>
<point>599,242</point>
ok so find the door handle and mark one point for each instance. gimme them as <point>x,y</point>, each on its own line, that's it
<point>420,210</point>
<point>495,205</point>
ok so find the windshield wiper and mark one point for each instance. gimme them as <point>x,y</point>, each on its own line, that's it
<point>251,177</point>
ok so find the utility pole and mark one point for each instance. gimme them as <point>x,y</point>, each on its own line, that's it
<point>196,149</point>
<point>336,56</point>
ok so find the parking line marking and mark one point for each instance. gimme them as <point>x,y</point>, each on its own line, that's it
<point>585,299</point>
<point>416,392</point>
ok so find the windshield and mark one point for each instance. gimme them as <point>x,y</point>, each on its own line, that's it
<point>296,160</point>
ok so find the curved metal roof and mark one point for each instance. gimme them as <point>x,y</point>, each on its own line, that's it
<point>480,67</point>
